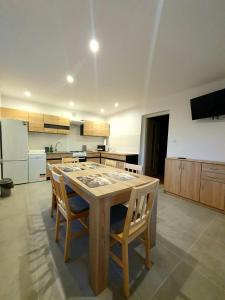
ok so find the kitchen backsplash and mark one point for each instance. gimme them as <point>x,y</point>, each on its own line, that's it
<point>73,141</point>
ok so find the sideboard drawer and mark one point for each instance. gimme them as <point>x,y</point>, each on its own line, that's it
<point>218,177</point>
<point>220,169</point>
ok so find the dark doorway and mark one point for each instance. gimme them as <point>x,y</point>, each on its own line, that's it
<point>156,146</point>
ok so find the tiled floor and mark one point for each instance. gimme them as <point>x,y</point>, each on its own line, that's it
<point>189,258</point>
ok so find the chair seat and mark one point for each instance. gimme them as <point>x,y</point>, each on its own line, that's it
<point>117,218</point>
<point>78,204</point>
<point>69,190</point>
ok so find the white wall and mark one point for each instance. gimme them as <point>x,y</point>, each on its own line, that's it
<point>125,131</point>
<point>73,141</point>
<point>200,139</point>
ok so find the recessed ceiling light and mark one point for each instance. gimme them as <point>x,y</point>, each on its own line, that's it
<point>70,78</point>
<point>116,104</point>
<point>94,45</point>
<point>102,110</point>
<point>27,93</point>
<point>71,103</point>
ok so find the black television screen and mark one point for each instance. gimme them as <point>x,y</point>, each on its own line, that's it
<point>207,106</point>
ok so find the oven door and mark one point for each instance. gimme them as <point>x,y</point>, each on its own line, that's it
<point>82,159</point>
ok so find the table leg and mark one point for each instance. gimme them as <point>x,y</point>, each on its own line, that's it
<point>99,244</point>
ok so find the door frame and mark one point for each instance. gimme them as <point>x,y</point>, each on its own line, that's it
<point>143,139</point>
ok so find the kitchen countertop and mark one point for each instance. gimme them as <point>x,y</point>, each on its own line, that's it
<point>94,151</point>
<point>198,160</point>
<point>112,152</point>
<point>58,152</point>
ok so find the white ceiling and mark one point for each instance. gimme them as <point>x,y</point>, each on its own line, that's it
<point>144,52</point>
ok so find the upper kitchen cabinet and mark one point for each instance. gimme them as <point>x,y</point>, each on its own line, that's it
<point>36,122</point>
<point>64,125</point>
<point>95,128</point>
<point>55,124</point>
<point>50,119</point>
<point>14,114</point>
<point>63,121</point>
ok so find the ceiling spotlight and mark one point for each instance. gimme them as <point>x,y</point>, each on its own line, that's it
<point>102,110</point>
<point>70,78</point>
<point>94,45</point>
<point>116,104</point>
<point>71,103</point>
<point>27,93</point>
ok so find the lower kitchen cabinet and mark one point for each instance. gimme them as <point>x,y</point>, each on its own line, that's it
<point>94,159</point>
<point>213,194</point>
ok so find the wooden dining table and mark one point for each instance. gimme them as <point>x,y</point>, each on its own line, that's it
<point>102,187</point>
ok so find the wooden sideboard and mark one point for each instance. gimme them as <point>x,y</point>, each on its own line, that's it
<point>197,180</point>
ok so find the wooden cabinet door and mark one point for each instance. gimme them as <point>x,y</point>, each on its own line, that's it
<point>190,180</point>
<point>95,128</point>
<point>14,114</point>
<point>36,122</point>
<point>50,130</point>
<point>94,159</point>
<point>50,119</point>
<point>213,194</point>
<point>63,131</point>
<point>172,176</point>
<point>88,128</point>
<point>63,121</point>
<point>106,130</point>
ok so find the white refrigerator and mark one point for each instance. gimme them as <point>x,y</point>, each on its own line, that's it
<point>14,150</point>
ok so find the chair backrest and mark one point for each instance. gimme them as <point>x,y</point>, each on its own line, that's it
<point>50,168</point>
<point>110,163</point>
<point>140,207</point>
<point>60,192</point>
<point>70,160</point>
<point>133,168</point>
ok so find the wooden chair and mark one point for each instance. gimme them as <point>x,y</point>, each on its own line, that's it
<point>110,163</point>
<point>129,223</point>
<point>133,168</point>
<point>69,209</point>
<point>53,206</point>
<point>70,160</point>
<point>69,191</point>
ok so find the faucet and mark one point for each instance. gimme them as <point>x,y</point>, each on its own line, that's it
<point>57,145</point>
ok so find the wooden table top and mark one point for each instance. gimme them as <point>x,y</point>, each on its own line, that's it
<point>109,175</point>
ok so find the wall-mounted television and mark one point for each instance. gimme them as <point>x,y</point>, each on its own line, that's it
<point>208,106</point>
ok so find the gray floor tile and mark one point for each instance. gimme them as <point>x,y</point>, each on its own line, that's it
<point>208,257</point>
<point>185,283</point>
<point>163,263</point>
